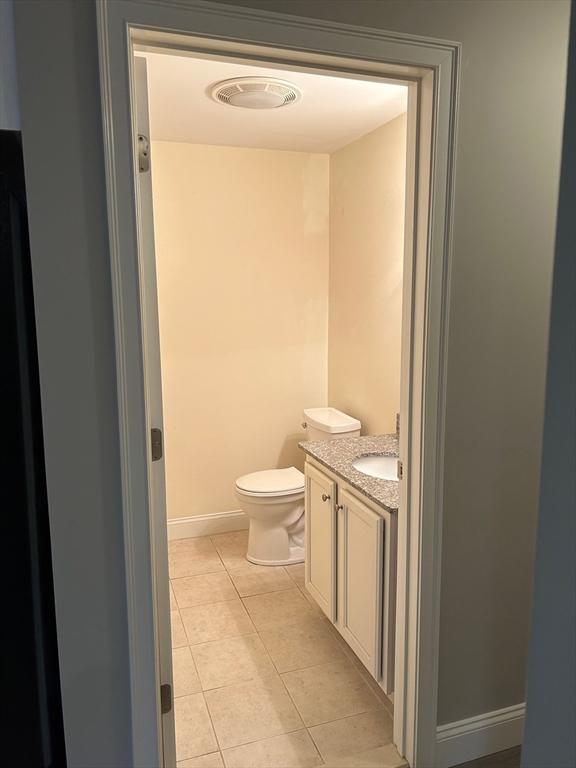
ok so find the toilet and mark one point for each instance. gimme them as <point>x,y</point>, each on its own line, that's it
<point>273,499</point>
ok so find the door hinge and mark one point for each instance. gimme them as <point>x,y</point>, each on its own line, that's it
<point>399,470</point>
<point>156,444</point>
<point>165,698</point>
<point>143,153</point>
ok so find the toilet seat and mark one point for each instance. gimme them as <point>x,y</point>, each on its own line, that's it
<point>271,482</point>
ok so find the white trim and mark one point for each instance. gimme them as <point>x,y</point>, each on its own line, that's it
<point>206,525</point>
<point>479,736</point>
<point>431,68</point>
<point>133,430</point>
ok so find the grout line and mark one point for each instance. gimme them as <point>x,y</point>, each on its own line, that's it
<point>179,696</point>
<point>234,585</point>
<point>213,728</point>
<point>316,747</point>
<point>260,678</point>
<point>177,610</point>
<point>221,639</point>
<point>293,702</point>
<point>202,573</point>
<point>209,569</point>
<point>266,738</point>
<point>339,720</point>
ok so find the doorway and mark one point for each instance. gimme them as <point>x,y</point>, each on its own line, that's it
<point>278,239</point>
<point>431,115</point>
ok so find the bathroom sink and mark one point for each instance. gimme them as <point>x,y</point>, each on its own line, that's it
<point>384,467</point>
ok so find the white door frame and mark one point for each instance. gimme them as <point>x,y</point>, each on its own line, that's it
<point>431,68</point>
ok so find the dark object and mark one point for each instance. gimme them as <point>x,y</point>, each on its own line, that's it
<point>32,726</point>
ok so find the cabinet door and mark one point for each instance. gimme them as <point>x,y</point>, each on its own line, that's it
<point>361,537</point>
<point>320,568</point>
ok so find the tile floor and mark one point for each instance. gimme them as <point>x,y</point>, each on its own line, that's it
<point>261,677</point>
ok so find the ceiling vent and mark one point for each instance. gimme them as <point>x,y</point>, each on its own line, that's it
<point>255,92</point>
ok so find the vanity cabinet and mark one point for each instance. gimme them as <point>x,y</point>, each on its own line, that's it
<point>351,568</point>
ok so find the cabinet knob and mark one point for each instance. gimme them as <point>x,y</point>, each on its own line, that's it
<point>339,507</point>
<point>325,497</point>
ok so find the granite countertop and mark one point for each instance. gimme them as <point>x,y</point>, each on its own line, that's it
<point>338,455</point>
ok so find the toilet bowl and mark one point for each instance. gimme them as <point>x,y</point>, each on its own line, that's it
<point>273,500</point>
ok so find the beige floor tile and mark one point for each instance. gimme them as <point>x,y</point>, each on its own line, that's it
<point>184,672</point>
<point>307,644</point>
<point>296,573</point>
<point>232,548</point>
<point>199,544</point>
<point>278,608</point>
<point>251,711</point>
<point>204,588</point>
<point>329,692</point>
<point>173,603</point>
<point>213,760</point>
<point>234,660</point>
<point>368,679</point>
<point>194,732</point>
<point>216,621</point>
<point>178,635</point>
<point>381,757</point>
<point>386,701</point>
<point>259,579</point>
<point>292,750</point>
<point>353,735</point>
<point>188,557</point>
<point>315,608</point>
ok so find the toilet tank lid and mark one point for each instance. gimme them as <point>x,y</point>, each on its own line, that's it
<point>330,420</point>
<point>272,481</point>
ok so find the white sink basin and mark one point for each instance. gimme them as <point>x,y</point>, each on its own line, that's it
<point>384,467</point>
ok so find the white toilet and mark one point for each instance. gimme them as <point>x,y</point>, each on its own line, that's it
<point>273,499</point>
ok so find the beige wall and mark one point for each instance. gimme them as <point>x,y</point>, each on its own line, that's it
<point>367,181</point>
<point>242,260</point>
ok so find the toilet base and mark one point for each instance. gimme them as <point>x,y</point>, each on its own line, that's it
<point>296,556</point>
<point>276,534</point>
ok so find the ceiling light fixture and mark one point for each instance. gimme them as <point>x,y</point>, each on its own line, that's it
<point>255,92</point>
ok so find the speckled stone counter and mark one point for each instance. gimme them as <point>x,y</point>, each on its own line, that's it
<point>338,455</point>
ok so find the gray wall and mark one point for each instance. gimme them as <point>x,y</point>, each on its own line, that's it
<point>550,735</point>
<point>513,82</point>
<point>9,112</point>
<point>61,125</point>
<point>507,177</point>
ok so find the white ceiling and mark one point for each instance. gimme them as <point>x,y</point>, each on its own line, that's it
<point>333,111</point>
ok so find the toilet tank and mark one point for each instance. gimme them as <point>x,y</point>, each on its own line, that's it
<point>329,424</point>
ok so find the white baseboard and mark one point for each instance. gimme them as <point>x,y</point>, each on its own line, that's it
<point>205,525</point>
<point>479,736</point>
